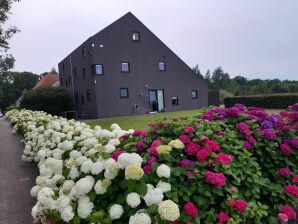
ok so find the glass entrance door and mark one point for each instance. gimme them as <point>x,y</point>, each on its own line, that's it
<point>156,100</point>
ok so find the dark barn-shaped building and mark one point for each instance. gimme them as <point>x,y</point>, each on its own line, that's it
<point>125,69</point>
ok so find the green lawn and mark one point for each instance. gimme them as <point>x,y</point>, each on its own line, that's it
<point>141,121</point>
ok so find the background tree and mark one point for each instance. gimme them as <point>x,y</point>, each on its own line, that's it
<point>197,71</point>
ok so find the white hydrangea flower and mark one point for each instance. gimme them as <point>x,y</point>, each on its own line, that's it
<point>34,191</point>
<point>153,196</point>
<point>85,207</point>
<point>168,210</point>
<point>114,142</point>
<point>97,167</point>
<point>163,171</point>
<point>84,185</point>
<point>116,211</point>
<point>133,199</point>
<point>126,159</point>
<point>74,173</point>
<point>75,154</point>
<point>164,186</point>
<point>67,214</point>
<point>86,166</point>
<point>99,188</point>
<point>177,144</point>
<point>109,148</point>
<point>115,127</point>
<point>62,202</point>
<point>112,168</point>
<point>140,218</point>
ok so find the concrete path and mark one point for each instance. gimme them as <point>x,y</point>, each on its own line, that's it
<point>16,179</point>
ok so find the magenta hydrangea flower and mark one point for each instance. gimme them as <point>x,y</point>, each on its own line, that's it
<point>184,138</point>
<point>283,218</point>
<point>223,217</point>
<point>214,146</point>
<point>217,179</point>
<point>223,158</point>
<point>187,163</point>
<point>239,205</point>
<point>202,155</point>
<point>269,134</point>
<point>140,146</point>
<point>137,133</point>
<point>192,148</point>
<point>291,190</point>
<point>116,154</point>
<point>286,172</point>
<point>156,143</point>
<point>247,145</point>
<point>285,149</point>
<point>243,128</point>
<point>191,209</point>
<point>188,129</point>
<point>147,169</point>
<point>295,179</point>
<point>289,211</point>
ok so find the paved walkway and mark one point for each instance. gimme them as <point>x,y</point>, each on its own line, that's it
<point>16,179</point>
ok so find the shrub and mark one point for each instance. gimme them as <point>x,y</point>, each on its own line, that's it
<point>235,165</point>
<point>51,100</point>
<point>273,101</point>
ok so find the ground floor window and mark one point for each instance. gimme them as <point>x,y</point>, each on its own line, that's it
<point>194,94</point>
<point>174,100</point>
<point>123,92</point>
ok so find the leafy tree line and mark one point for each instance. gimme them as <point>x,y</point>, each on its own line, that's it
<point>239,85</point>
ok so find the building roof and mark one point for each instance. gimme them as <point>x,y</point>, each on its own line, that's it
<point>48,80</point>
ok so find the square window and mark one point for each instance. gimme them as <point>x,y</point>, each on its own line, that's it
<point>136,36</point>
<point>174,100</point>
<point>88,95</point>
<point>125,67</point>
<point>194,94</point>
<point>162,66</point>
<point>123,92</point>
<point>97,69</point>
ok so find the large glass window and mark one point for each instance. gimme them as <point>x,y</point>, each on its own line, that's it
<point>175,100</point>
<point>123,92</point>
<point>162,66</point>
<point>194,94</point>
<point>97,69</point>
<point>125,67</point>
<point>136,36</point>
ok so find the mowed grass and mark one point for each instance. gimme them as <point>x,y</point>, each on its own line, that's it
<point>141,121</point>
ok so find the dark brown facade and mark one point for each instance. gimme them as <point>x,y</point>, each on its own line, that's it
<point>125,69</point>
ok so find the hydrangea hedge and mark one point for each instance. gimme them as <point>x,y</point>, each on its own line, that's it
<point>235,165</point>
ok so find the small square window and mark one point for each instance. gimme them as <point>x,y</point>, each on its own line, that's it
<point>194,94</point>
<point>84,73</point>
<point>97,69</point>
<point>123,92</point>
<point>125,67</point>
<point>136,36</point>
<point>88,95</point>
<point>162,66</point>
<point>174,100</point>
<point>82,99</point>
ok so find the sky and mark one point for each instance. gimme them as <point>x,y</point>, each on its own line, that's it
<point>252,38</point>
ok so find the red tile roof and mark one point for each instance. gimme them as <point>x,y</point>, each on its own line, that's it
<point>47,81</point>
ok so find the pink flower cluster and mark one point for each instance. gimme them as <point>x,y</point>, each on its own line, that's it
<point>291,190</point>
<point>244,128</point>
<point>283,218</point>
<point>269,134</point>
<point>295,179</point>
<point>223,217</point>
<point>223,158</point>
<point>289,211</point>
<point>191,209</point>
<point>217,179</point>
<point>285,149</point>
<point>239,205</point>
<point>137,133</point>
<point>286,172</point>
<point>202,155</point>
<point>116,154</point>
<point>184,138</point>
<point>188,129</point>
<point>192,149</point>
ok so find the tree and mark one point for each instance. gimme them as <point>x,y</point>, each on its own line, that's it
<point>197,71</point>
<point>6,60</point>
<point>279,88</point>
<point>240,80</point>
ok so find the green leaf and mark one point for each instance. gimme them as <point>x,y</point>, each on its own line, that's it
<point>76,220</point>
<point>131,185</point>
<point>141,189</point>
<point>92,196</point>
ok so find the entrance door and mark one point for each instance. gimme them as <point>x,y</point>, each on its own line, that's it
<point>156,100</point>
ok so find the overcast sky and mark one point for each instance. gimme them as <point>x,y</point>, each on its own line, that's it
<point>252,38</point>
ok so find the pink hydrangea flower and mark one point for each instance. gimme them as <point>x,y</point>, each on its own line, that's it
<point>243,128</point>
<point>202,155</point>
<point>247,145</point>
<point>217,179</point>
<point>156,143</point>
<point>152,151</point>
<point>295,179</point>
<point>289,211</point>
<point>116,154</point>
<point>140,146</point>
<point>137,133</point>
<point>184,138</point>
<point>192,148</point>
<point>223,158</point>
<point>286,172</point>
<point>291,190</point>
<point>147,169</point>
<point>188,129</point>
<point>191,209</point>
<point>239,205</point>
<point>223,217</point>
<point>285,149</point>
<point>151,160</point>
<point>214,146</point>
<point>283,218</point>
<point>269,134</point>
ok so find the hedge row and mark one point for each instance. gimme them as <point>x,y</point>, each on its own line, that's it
<point>274,101</point>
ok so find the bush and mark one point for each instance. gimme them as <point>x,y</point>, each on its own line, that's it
<point>235,165</point>
<point>273,101</point>
<point>51,100</point>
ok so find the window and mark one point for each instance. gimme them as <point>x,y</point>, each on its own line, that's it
<point>136,36</point>
<point>88,95</point>
<point>84,73</point>
<point>125,67</point>
<point>75,72</point>
<point>84,52</point>
<point>123,92</point>
<point>76,98</point>
<point>194,94</point>
<point>82,99</point>
<point>162,66</point>
<point>69,79</point>
<point>174,100</point>
<point>97,69</point>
